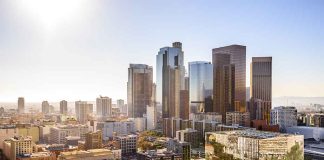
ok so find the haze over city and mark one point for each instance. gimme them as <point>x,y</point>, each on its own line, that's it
<point>80,49</point>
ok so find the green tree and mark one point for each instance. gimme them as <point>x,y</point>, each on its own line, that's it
<point>295,153</point>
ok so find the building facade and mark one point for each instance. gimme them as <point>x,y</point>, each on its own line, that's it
<point>238,59</point>
<point>63,107</point>
<point>170,73</point>
<point>104,106</point>
<point>139,89</point>
<point>59,133</point>
<point>82,109</point>
<point>93,140</point>
<point>45,107</point>
<point>201,86</point>
<point>284,117</point>
<point>238,118</point>
<point>21,105</point>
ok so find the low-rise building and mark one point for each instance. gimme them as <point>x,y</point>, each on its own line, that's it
<point>17,146</point>
<point>189,135</point>
<point>127,144</point>
<point>93,154</point>
<point>253,144</point>
<point>59,133</point>
<point>284,117</point>
<point>115,128</point>
<point>238,118</point>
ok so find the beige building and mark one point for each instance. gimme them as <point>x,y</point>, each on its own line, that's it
<point>251,144</point>
<point>82,109</point>
<point>59,133</point>
<point>93,140</point>
<point>17,146</point>
<point>261,88</point>
<point>93,154</point>
<point>32,131</point>
<point>39,156</point>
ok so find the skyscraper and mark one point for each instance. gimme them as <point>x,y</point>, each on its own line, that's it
<point>201,86</point>
<point>261,88</point>
<point>122,106</point>
<point>45,107</point>
<point>82,109</point>
<point>139,89</point>
<point>104,105</point>
<point>238,59</point>
<point>170,73</point>
<point>184,104</point>
<point>21,105</point>
<point>224,84</point>
<point>63,107</point>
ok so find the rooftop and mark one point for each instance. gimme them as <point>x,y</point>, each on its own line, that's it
<point>251,133</point>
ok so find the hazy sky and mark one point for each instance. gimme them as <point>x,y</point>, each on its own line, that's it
<point>79,49</point>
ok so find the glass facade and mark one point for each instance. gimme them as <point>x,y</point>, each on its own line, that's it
<point>170,80</point>
<point>201,86</point>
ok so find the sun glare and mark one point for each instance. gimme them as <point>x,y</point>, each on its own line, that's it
<point>52,13</point>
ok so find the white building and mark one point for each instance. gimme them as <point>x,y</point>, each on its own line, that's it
<point>127,144</point>
<point>139,123</point>
<point>284,117</point>
<point>104,106</point>
<point>111,128</point>
<point>59,133</point>
<point>151,116</point>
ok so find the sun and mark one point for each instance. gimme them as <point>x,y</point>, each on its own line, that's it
<point>52,13</point>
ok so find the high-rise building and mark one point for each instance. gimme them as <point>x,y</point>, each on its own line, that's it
<point>45,107</point>
<point>238,58</point>
<point>122,106</point>
<point>63,107</point>
<point>93,140</point>
<point>104,106</point>
<point>151,117</point>
<point>170,72</point>
<point>139,89</point>
<point>261,88</point>
<point>82,109</point>
<point>201,86</point>
<point>284,117</point>
<point>184,104</point>
<point>21,105</point>
<point>224,84</point>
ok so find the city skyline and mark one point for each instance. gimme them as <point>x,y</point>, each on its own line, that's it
<point>47,58</point>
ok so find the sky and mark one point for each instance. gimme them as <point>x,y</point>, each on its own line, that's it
<point>80,49</point>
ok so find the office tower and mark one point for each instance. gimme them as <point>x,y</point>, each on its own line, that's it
<point>253,144</point>
<point>284,117</point>
<point>261,88</point>
<point>151,117</point>
<point>170,79</point>
<point>104,106</point>
<point>21,105</point>
<point>93,140</point>
<point>63,107</point>
<point>238,58</point>
<point>201,86</point>
<point>82,109</point>
<point>224,84</point>
<point>45,107</point>
<point>139,89</point>
<point>184,104</point>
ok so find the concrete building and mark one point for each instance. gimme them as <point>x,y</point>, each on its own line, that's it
<point>140,123</point>
<point>93,154</point>
<point>82,109</point>
<point>93,140</point>
<point>38,156</point>
<point>238,59</point>
<point>209,116</point>
<point>160,154</point>
<point>319,120</point>
<point>252,144</point>
<point>261,88</point>
<point>115,128</point>
<point>63,107</point>
<point>201,86</point>
<point>45,107</point>
<point>238,118</point>
<point>7,132</point>
<point>189,135</point>
<point>224,85</point>
<point>21,105</point>
<point>170,73</point>
<point>127,144</point>
<point>17,146</point>
<point>122,106</point>
<point>59,133</point>
<point>139,89</point>
<point>184,104</point>
<point>151,117</point>
<point>104,106</point>
<point>284,117</point>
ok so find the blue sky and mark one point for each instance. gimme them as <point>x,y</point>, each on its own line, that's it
<point>79,49</point>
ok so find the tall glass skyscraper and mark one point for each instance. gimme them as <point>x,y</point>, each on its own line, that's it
<point>139,89</point>
<point>201,86</point>
<point>238,59</point>
<point>170,72</point>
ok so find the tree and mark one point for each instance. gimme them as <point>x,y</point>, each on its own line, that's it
<point>295,153</point>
